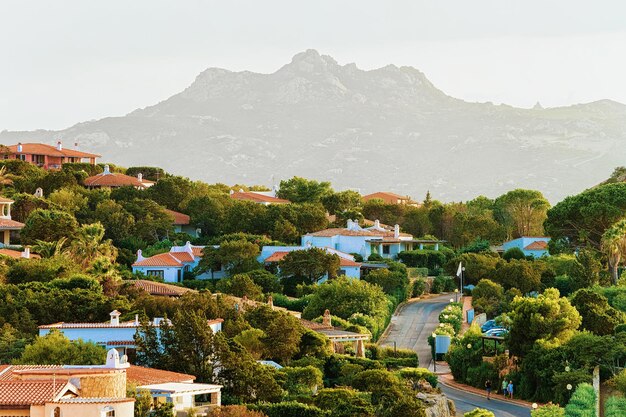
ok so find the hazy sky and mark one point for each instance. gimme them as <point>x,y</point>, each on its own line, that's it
<point>66,61</point>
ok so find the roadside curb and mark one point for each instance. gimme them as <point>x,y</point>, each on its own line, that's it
<point>448,380</point>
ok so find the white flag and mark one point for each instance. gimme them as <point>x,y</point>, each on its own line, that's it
<point>459,271</point>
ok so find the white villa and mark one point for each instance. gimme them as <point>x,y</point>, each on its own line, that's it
<point>171,266</point>
<point>347,266</point>
<point>365,241</point>
<point>110,334</point>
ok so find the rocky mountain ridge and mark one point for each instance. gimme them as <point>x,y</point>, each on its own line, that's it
<point>384,129</point>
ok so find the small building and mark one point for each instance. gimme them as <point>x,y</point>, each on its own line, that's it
<point>531,246</point>
<point>108,179</point>
<point>7,225</point>
<point>181,223</point>
<point>364,241</point>
<point>261,197</point>
<point>171,266</point>
<point>338,336</point>
<point>391,198</point>
<point>48,156</point>
<point>112,334</point>
<point>347,265</point>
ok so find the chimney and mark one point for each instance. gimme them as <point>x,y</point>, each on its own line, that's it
<point>396,231</point>
<point>26,253</point>
<point>270,302</point>
<point>59,146</point>
<point>19,147</point>
<point>188,248</point>
<point>349,226</point>
<point>140,177</point>
<point>232,192</point>
<point>326,320</point>
<point>115,318</point>
<point>136,319</point>
<point>377,224</point>
<point>39,192</point>
<point>107,170</point>
<point>139,256</point>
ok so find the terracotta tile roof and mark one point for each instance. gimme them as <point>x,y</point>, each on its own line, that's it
<point>115,179</point>
<point>121,343</point>
<point>16,254</point>
<point>160,288</point>
<point>338,231</point>
<point>107,324</point>
<point>81,400</point>
<point>179,218</point>
<point>6,200</point>
<point>26,393</point>
<point>537,245</point>
<point>139,375</point>
<point>7,371</point>
<point>381,194</point>
<point>258,198</point>
<point>8,224</point>
<point>279,256</point>
<point>197,251</point>
<point>166,259</point>
<point>43,149</point>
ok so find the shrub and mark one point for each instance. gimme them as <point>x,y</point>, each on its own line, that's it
<point>419,286</point>
<point>582,403</point>
<point>479,412</point>
<point>289,409</point>
<point>297,304</point>
<point>615,407</point>
<point>342,402</point>
<point>415,374</point>
<point>443,284</point>
<point>420,272</point>
<point>425,258</point>
<point>374,257</point>
<point>513,253</point>
<point>549,410</point>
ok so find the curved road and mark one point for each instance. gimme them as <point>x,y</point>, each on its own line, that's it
<point>410,330</point>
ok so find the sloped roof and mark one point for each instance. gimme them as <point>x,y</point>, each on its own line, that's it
<point>257,198</point>
<point>6,200</point>
<point>179,218</point>
<point>340,231</point>
<point>140,375</point>
<point>16,254</point>
<point>172,259</point>
<point>279,256</point>
<point>8,224</point>
<point>44,149</point>
<point>32,392</point>
<point>382,194</point>
<point>115,179</point>
<point>160,288</point>
<point>537,245</point>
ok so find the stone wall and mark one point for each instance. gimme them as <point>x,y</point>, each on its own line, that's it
<point>436,405</point>
<point>111,385</point>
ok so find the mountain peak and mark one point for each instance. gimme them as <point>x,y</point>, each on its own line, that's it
<point>311,61</point>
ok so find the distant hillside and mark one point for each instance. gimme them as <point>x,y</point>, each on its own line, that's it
<point>385,129</point>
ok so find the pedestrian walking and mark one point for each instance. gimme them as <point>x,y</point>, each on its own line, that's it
<point>505,384</point>
<point>488,388</point>
<point>509,389</point>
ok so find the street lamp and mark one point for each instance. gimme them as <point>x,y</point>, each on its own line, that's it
<point>569,387</point>
<point>462,273</point>
<point>535,406</point>
<point>434,335</point>
<point>456,295</point>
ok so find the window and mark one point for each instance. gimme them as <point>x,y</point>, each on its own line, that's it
<point>39,159</point>
<point>155,273</point>
<point>21,157</point>
<point>108,411</point>
<point>386,249</point>
<point>56,412</point>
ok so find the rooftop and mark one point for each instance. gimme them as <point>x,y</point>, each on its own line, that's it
<point>537,245</point>
<point>49,150</point>
<point>160,288</point>
<point>257,197</point>
<point>279,256</point>
<point>8,224</point>
<point>166,259</point>
<point>26,393</point>
<point>179,218</point>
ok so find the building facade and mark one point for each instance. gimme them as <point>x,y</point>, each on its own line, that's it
<point>47,156</point>
<point>531,246</point>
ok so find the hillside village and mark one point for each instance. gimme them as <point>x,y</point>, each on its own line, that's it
<point>130,291</point>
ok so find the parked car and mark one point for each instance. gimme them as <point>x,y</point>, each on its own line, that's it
<point>489,324</point>
<point>497,331</point>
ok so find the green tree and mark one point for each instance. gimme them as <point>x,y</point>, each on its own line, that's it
<point>12,343</point>
<point>282,332</point>
<point>90,245</point>
<point>68,200</point>
<point>548,317</point>
<point>207,213</point>
<point>582,403</point>
<point>56,349</point>
<point>487,297</point>
<point>513,253</point>
<point>310,264</point>
<point>585,272</point>
<point>597,315</point>
<point>269,282</point>
<point>548,410</point>
<point>341,201</point>
<point>118,223</point>
<point>240,285</point>
<point>170,191</point>
<point>343,402</point>
<point>613,244</point>
<point>523,211</point>
<point>301,190</point>
<point>521,274</point>
<point>235,256</point>
<point>48,225</point>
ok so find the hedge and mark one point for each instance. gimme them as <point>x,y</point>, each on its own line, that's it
<point>415,374</point>
<point>424,258</point>
<point>582,403</point>
<point>289,409</point>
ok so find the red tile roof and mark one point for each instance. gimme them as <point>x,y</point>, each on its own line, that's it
<point>279,256</point>
<point>106,324</point>
<point>179,218</point>
<point>537,245</point>
<point>139,375</point>
<point>338,231</point>
<point>115,179</point>
<point>166,259</point>
<point>160,288</point>
<point>8,224</point>
<point>390,198</point>
<point>6,200</point>
<point>6,371</point>
<point>27,393</point>
<point>258,198</point>
<point>43,149</point>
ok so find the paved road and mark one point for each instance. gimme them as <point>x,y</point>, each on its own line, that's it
<point>410,330</point>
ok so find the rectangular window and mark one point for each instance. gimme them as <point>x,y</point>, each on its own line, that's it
<point>21,157</point>
<point>156,273</point>
<point>39,159</point>
<point>386,249</point>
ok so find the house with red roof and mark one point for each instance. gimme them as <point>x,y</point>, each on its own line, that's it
<point>261,197</point>
<point>112,334</point>
<point>108,179</point>
<point>181,223</point>
<point>171,266</point>
<point>48,156</point>
<point>536,246</point>
<point>391,198</point>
